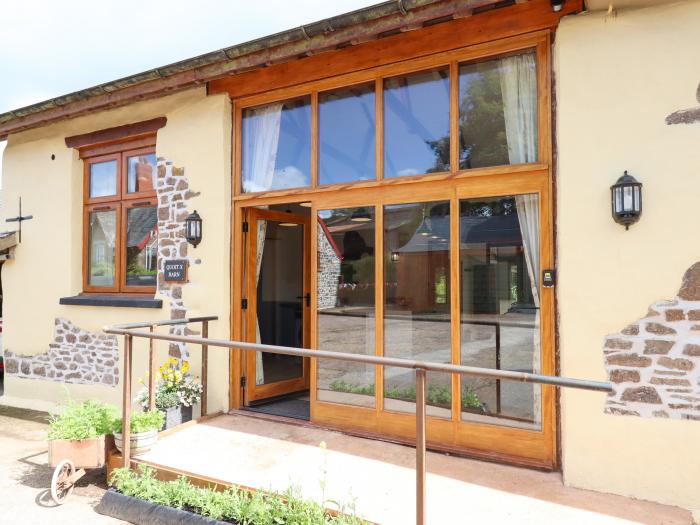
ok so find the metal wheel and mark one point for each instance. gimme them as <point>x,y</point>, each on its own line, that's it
<point>61,487</point>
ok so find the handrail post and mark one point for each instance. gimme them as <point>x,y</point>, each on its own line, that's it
<point>126,403</point>
<point>420,446</point>
<point>205,366</point>
<point>151,375</point>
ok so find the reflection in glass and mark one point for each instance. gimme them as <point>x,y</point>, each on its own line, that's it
<point>346,135</point>
<point>346,315</point>
<point>280,290</point>
<point>141,173</point>
<point>417,123</point>
<point>277,146</point>
<point>417,302</point>
<point>102,234</point>
<point>498,112</point>
<point>141,246</point>
<point>500,322</point>
<point>103,178</point>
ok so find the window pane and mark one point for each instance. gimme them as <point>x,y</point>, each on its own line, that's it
<point>500,322</point>
<point>346,135</point>
<point>417,302</point>
<point>141,246</point>
<point>101,244</point>
<point>346,318</point>
<point>141,173</point>
<point>103,178</point>
<point>498,112</point>
<point>277,146</point>
<point>417,123</point>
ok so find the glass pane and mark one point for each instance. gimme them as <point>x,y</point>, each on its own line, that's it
<point>500,322</point>
<point>141,246</point>
<point>277,146</point>
<point>141,173</point>
<point>280,290</point>
<point>417,123</point>
<point>346,315</point>
<point>346,135</point>
<point>498,112</point>
<point>101,243</point>
<point>103,179</point>
<point>417,302</point>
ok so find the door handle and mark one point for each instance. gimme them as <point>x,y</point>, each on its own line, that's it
<point>306,297</point>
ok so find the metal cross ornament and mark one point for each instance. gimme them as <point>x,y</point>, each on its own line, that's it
<point>20,218</point>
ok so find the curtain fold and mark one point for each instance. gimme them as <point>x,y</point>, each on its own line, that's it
<point>260,239</point>
<point>519,91</point>
<point>261,152</point>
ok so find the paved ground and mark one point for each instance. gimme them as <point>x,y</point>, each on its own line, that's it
<point>380,476</point>
<point>25,477</point>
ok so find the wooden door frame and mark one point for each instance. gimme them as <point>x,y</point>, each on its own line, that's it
<point>526,447</point>
<point>253,391</point>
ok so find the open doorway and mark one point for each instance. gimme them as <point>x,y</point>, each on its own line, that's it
<point>278,309</point>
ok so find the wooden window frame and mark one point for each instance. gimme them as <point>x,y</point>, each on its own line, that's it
<point>531,447</point>
<point>121,202</point>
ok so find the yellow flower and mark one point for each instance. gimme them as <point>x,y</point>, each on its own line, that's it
<point>323,445</point>
<point>185,367</point>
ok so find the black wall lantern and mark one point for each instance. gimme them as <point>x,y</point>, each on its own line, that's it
<point>193,228</point>
<point>626,196</point>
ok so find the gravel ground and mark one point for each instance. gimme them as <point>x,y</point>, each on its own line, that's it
<point>25,477</point>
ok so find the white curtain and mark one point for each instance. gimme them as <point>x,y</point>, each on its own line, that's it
<point>260,236</point>
<point>519,91</point>
<point>262,132</point>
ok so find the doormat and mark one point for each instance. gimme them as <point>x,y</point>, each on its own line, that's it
<point>294,408</point>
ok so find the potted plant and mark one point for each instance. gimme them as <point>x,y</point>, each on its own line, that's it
<point>176,391</point>
<point>78,433</point>
<point>144,431</point>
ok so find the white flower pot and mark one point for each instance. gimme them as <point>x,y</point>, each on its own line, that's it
<point>140,442</point>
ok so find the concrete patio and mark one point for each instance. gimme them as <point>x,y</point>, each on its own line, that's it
<point>379,477</point>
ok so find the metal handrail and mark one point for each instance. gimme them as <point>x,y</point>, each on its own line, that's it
<point>129,331</point>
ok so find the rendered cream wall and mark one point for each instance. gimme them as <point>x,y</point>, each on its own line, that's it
<point>616,81</point>
<point>48,263</point>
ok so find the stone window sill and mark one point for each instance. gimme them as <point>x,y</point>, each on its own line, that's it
<point>123,301</point>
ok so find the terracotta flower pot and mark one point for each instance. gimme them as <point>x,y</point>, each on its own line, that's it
<point>140,442</point>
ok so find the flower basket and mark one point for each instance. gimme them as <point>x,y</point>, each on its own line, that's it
<point>141,442</point>
<point>178,415</point>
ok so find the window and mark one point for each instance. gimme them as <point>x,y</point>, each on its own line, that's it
<point>120,222</point>
<point>277,146</point>
<point>449,119</point>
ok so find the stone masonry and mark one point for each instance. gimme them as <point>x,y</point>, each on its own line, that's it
<point>654,363</point>
<point>75,356</point>
<point>328,271</point>
<point>173,190</point>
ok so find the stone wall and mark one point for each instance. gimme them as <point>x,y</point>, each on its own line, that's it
<point>654,363</point>
<point>173,190</point>
<point>328,271</point>
<point>75,356</point>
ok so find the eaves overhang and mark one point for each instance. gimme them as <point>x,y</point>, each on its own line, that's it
<point>373,22</point>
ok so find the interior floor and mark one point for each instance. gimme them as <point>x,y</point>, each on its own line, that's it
<point>296,406</point>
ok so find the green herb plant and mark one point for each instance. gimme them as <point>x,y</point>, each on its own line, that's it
<point>142,422</point>
<point>86,420</point>
<point>233,505</point>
